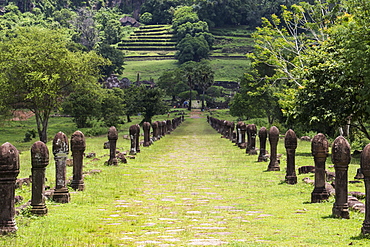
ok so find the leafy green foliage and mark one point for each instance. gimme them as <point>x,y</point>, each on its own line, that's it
<point>37,71</point>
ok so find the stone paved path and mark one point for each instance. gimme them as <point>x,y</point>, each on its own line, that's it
<point>189,196</point>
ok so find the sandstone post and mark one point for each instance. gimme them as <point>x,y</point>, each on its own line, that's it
<point>262,134</point>
<point>274,140</point>
<point>39,160</point>
<point>78,146</point>
<point>60,151</point>
<point>319,149</point>
<point>290,146</point>
<point>341,157</point>
<point>365,168</point>
<point>9,170</point>
<point>112,138</point>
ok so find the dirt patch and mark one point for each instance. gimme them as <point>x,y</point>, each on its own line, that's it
<point>21,115</point>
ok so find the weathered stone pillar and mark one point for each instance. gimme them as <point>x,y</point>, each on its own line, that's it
<point>290,146</point>
<point>134,131</point>
<point>9,170</point>
<point>242,130</point>
<point>262,134</point>
<point>365,168</point>
<point>138,138</point>
<point>155,130</point>
<point>319,149</point>
<point>146,129</point>
<point>159,131</point>
<point>164,127</point>
<point>39,160</point>
<point>112,138</point>
<point>78,146</point>
<point>251,144</point>
<point>169,126</point>
<point>60,151</point>
<point>274,140</point>
<point>341,157</point>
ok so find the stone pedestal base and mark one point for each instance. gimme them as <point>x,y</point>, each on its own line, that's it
<point>291,179</point>
<point>319,195</point>
<point>274,166</point>
<point>113,162</point>
<point>78,185</point>
<point>61,196</point>
<point>39,210</point>
<point>365,228</point>
<point>8,227</point>
<point>341,211</point>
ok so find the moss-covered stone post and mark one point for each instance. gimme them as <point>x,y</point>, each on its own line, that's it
<point>9,170</point>
<point>341,157</point>
<point>273,136</point>
<point>78,146</point>
<point>60,151</point>
<point>112,138</point>
<point>39,161</point>
<point>290,142</point>
<point>319,149</point>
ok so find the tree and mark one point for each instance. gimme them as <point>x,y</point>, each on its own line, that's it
<point>115,56</point>
<point>84,106</point>
<point>206,78</point>
<point>192,49</point>
<point>198,75</point>
<point>151,103</point>
<point>113,106</point>
<point>37,71</point>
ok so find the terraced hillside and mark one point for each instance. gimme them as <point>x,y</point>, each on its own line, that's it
<point>150,42</point>
<point>231,42</point>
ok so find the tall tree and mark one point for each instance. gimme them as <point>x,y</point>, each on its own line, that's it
<point>37,71</point>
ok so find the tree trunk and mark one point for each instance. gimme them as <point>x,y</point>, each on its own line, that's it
<point>203,101</point>
<point>42,125</point>
<point>128,118</point>
<point>189,107</point>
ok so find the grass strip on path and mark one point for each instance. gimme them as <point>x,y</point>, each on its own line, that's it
<point>191,188</point>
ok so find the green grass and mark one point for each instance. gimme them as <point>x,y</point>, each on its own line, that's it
<point>225,69</point>
<point>189,188</point>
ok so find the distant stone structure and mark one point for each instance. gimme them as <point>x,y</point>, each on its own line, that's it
<point>129,21</point>
<point>262,134</point>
